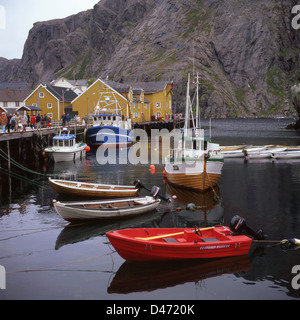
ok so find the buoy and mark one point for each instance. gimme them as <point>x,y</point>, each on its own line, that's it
<point>87,149</point>
<point>164,172</point>
<point>152,168</point>
<point>44,154</point>
<point>174,196</point>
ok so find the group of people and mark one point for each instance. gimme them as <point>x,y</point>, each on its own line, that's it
<point>19,122</point>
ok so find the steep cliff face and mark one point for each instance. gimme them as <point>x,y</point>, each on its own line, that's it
<point>246,52</point>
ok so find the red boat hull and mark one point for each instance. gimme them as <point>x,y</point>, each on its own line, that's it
<point>172,244</point>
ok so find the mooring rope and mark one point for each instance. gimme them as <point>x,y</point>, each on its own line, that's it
<point>18,165</point>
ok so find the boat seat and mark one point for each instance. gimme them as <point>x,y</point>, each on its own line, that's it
<point>209,239</point>
<point>170,240</point>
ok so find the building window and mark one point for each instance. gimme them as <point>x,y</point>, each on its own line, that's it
<point>49,105</point>
<point>17,103</point>
<point>42,95</point>
<point>50,115</point>
<point>157,104</point>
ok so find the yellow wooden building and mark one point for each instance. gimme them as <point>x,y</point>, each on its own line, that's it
<point>51,100</point>
<point>141,101</point>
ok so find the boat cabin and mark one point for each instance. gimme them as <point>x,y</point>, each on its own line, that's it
<point>113,120</point>
<point>64,140</point>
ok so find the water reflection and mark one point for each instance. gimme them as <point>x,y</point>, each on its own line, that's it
<point>150,276</point>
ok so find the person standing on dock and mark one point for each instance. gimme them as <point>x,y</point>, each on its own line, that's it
<point>8,122</point>
<point>18,122</point>
<point>3,120</point>
<point>38,121</point>
<point>24,121</point>
<point>32,122</point>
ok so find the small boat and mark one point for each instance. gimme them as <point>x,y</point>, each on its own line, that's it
<point>65,148</point>
<point>288,154</point>
<point>263,154</point>
<point>95,190</point>
<point>105,209</point>
<point>240,153</point>
<point>158,244</point>
<point>195,162</point>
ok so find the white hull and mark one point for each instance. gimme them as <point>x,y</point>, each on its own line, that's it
<point>76,211</point>
<point>241,152</point>
<point>286,155</point>
<point>66,154</point>
<point>263,154</point>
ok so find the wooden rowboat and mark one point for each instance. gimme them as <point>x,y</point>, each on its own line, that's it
<point>105,209</point>
<point>85,189</point>
<point>171,244</point>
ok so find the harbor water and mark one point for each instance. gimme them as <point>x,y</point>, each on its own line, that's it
<point>47,258</point>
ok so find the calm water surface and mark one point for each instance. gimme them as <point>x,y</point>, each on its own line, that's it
<point>46,258</point>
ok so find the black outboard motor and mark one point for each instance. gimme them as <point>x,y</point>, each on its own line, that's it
<point>238,226</point>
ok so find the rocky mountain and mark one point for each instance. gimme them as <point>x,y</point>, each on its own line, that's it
<point>245,51</point>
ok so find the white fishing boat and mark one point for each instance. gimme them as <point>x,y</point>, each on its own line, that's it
<point>65,148</point>
<point>105,209</point>
<point>288,154</point>
<point>195,162</point>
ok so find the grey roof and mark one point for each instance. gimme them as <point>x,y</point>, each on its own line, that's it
<point>14,95</point>
<point>58,92</point>
<point>148,87</point>
<point>13,85</point>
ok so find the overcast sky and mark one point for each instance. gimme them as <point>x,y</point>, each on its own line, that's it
<point>18,16</point>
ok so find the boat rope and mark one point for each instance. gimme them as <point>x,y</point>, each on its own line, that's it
<point>60,265</point>
<point>284,244</point>
<point>20,177</point>
<point>18,165</point>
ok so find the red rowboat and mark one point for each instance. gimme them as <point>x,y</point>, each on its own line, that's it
<point>174,243</point>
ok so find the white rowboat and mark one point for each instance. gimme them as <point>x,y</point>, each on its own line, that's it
<point>105,209</point>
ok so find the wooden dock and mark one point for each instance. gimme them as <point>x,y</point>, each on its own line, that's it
<point>27,147</point>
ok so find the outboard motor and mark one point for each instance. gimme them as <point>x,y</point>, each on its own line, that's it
<point>155,191</point>
<point>238,226</point>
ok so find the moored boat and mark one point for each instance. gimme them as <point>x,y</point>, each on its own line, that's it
<point>264,154</point>
<point>105,209</point>
<point>288,154</point>
<point>195,162</point>
<point>95,190</point>
<point>158,244</point>
<point>240,153</point>
<point>65,148</point>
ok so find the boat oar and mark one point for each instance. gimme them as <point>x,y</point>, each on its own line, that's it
<point>154,191</point>
<point>170,235</point>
